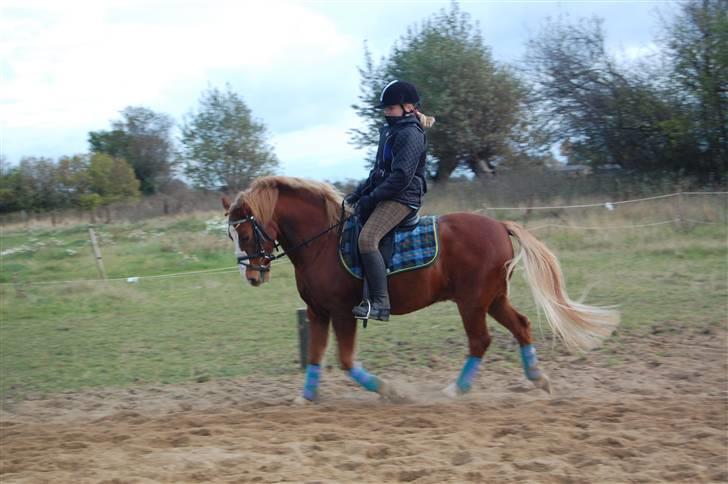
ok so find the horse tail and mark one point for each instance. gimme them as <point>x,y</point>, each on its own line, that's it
<point>580,326</point>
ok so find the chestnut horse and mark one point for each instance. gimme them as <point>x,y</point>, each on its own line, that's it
<point>473,269</point>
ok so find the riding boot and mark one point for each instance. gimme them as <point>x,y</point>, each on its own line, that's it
<point>376,305</point>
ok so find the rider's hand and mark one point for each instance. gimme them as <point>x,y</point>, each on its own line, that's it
<point>366,206</point>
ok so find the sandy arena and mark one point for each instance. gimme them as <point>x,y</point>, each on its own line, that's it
<point>652,409</point>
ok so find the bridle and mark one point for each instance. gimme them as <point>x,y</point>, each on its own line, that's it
<point>261,236</point>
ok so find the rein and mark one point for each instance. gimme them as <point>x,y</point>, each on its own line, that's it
<point>260,233</point>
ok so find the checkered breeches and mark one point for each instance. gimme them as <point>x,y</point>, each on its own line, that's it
<point>385,217</point>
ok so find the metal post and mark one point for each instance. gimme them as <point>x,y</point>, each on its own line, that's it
<point>303,336</point>
<point>97,253</point>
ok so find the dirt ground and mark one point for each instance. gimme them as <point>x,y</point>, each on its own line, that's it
<point>650,407</point>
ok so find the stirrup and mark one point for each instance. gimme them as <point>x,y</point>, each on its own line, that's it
<point>364,319</point>
<point>359,306</point>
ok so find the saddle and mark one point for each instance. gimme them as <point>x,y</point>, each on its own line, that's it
<point>412,244</point>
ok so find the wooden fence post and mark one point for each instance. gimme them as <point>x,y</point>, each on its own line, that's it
<point>19,291</point>
<point>302,336</point>
<point>680,221</point>
<point>97,253</point>
<point>527,213</point>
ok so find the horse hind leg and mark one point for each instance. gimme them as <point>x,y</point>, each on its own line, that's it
<point>478,342</point>
<point>520,327</point>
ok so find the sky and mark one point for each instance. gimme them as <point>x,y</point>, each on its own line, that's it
<point>67,68</point>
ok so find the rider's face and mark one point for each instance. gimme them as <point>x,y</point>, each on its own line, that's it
<point>396,110</point>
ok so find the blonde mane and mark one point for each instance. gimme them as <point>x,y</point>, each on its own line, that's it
<point>262,196</point>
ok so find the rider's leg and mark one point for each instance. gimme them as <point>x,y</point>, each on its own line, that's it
<point>385,217</point>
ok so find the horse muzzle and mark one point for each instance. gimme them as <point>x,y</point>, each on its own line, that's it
<point>257,275</point>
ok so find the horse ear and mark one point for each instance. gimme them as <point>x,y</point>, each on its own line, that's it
<point>226,204</point>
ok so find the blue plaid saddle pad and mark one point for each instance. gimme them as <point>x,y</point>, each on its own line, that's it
<point>410,249</point>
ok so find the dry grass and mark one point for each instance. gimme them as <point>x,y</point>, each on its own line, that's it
<point>688,209</point>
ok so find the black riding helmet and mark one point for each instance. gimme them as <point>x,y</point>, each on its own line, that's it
<point>398,92</point>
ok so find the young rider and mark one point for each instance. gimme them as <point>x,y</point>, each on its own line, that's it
<point>393,190</point>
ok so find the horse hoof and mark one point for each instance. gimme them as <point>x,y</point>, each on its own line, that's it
<point>299,400</point>
<point>451,391</point>
<point>391,394</point>
<point>543,383</point>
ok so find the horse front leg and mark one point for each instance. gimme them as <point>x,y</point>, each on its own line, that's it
<point>318,336</point>
<point>345,328</point>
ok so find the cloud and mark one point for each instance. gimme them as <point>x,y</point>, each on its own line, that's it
<point>321,151</point>
<point>75,64</point>
<point>635,52</point>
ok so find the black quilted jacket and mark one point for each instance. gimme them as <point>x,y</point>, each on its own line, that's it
<point>399,169</point>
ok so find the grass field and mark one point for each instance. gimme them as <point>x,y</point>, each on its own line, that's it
<point>213,325</point>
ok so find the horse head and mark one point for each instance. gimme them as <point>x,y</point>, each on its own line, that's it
<point>254,240</point>
<point>289,210</point>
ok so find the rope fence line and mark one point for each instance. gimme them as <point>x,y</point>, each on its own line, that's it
<point>607,204</point>
<point>134,279</point>
<point>579,227</point>
<point>125,279</point>
<point>707,222</point>
<point>618,227</point>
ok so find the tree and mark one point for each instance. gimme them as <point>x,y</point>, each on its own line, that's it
<point>143,138</point>
<point>82,181</point>
<point>222,145</point>
<point>38,176</point>
<point>697,46</point>
<point>9,183</point>
<point>112,179</point>
<point>32,185</point>
<point>605,112</point>
<point>92,181</point>
<point>477,102</point>
<point>73,179</point>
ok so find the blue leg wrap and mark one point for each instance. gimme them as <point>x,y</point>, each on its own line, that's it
<point>530,362</point>
<point>470,369</point>
<point>313,378</point>
<point>367,380</point>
